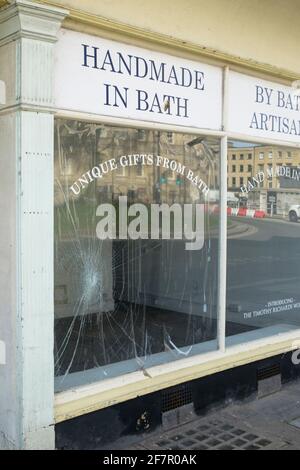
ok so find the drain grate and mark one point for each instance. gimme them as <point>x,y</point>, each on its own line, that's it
<point>209,435</point>
<point>176,397</point>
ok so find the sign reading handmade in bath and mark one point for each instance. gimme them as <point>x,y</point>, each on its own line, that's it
<point>105,77</point>
<point>263,109</point>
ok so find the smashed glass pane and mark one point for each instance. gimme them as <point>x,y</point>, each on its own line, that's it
<point>136,249</point>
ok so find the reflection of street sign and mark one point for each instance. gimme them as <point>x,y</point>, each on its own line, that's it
<point>2,353</point>
<point>272,203</point>
<point>2,93</point>
<point>178,181</point>
<point>163,180</point>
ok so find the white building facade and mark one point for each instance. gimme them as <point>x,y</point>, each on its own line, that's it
<point>86,323</point>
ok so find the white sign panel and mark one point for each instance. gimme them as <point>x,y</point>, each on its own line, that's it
<point>263,109</point>
<point>108,78</point>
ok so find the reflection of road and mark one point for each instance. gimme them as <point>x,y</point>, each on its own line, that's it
<point>237,229</point>
<point>269,227</point>
<point>264,265</point>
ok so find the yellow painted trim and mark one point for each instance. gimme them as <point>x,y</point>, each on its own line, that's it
<point>105,24</point>
<point>77,404</point>
<point>77,17</point>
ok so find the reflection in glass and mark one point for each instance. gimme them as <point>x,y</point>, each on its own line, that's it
<point>263,241</point>
<point>126,303</point>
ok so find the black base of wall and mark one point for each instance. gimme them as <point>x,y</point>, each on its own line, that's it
<point>144,414</point>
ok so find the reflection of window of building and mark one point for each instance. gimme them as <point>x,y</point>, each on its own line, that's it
<point>241,181</point>
<point>249,168</point>
<point>261,155</point>
<point>103,132</point>
<point>234,182</point>
<point>249,156</point>
<point>279,154</point>
<point>120,170</point>
<point>241,168</point>
<point>270,155</point>
<point>141,193</point>
<point>261,167</point>
<point>104,193</point>
<point>233,157</point>
<point>170,137</point>
<point>289,154</point>
<point>173,196</point>
<point>68,167</point>
<point>233,168</point>
<point>141,134</point>
<point>171,175</point>
<point>241,156</point>
<point>139,169</point>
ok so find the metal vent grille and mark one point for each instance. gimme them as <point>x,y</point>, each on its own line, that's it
<point>176,397</point>
<point>267,372</point>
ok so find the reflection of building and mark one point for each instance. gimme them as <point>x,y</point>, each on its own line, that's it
<point>240,166</point>
<point>140,183</point>
<point>277,202</point>
<point>244,163</point>
<point>143,183</point>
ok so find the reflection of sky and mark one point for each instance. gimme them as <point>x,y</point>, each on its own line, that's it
<point>239,144</point>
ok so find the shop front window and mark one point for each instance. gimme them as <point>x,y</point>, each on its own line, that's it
<point>263,250</point>
<point>136,249</point>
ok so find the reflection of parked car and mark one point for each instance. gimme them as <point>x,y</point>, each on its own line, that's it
<point>294,213</point>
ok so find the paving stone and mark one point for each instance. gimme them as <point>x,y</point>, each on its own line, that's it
<point>252,447</point>
<point>226,447</point>
<point>250,437</point>
<point>237,432</point>
<point>239,442</point>
<point>191,432</point>
<point>201,437</point>
<point>226,437</point>
<point>262,442</point>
